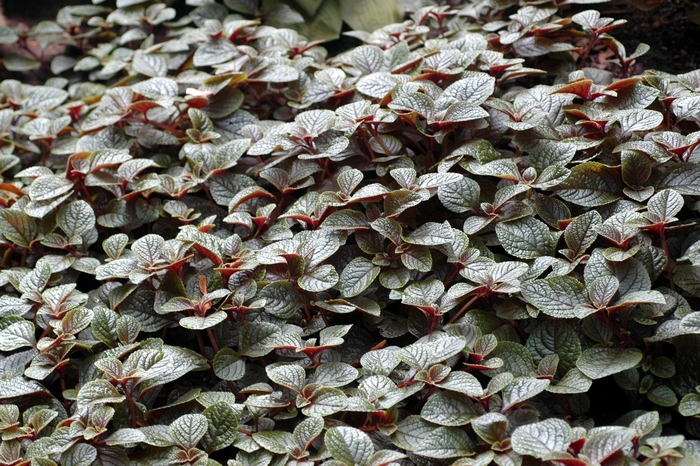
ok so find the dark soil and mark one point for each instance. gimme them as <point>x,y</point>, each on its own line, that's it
<point>674,39</point>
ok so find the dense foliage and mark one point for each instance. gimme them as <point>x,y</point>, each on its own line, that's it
<point>222,246</point>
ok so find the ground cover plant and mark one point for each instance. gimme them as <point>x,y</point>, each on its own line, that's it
<point>455,243</point>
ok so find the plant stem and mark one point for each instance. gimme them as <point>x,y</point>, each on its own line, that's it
<point>464,308</point>
<point>669,266</point>
<point>212,340</point>
<point>587,51</point>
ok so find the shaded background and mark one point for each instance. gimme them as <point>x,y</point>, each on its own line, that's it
<point>674,39</point>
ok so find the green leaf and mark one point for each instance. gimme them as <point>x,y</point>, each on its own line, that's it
<point>591,184</point>
<point>604,443</point>
<point>16,62</point>
<point>150,64</point>
<point>189,429</point>
<point>18,227</point>
<point>449,409</point>
<point>319,279</point>
<point>17,387</point>
<point>98,392</point>
<point>664,205</point>
<point>255,337</point>
<point>288,375</point>
<point>325,401</point>
<point>522,389</point>
<point>222,427</point>
<point>49,187</point>
<point>460,197</point>
<point>602,290</point>
<point>335,374</point>
<point>630,273</point>
<point>462,382</point>
<point>555,337</point>
<point>539,439</point>
<point>690,405</point>
<point>430,234</point>
<point>637,120</point>
<point>445,442</point>
<point>684,178</point>
<point>17,335</point>
<point>580,234</point>
<point>556,296</point>
<point>275,441</point>
<point>597,363</point>
<point>80,454</point>
<point>491,427</point>
<point>281,299</point>
<point>526,238</point>
<point>369,15</point>
<point>662,396</point>
<point>307,431</point>
<point>325,23</point>
<point>228,365</point>
<point>348,445</point>
<point>357,276</point>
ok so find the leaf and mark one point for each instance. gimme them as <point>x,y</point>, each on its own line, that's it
<point>49,187</point>
<point>662,396</point>
<point>18,227</point>
<point>228,365</point>
<point>357,276</point>
<point>684,178</point>
<point>16,62</point>
<point>580,234</point>
<point>76,218</point>
<point>555,337</point>
<point>449,409</point>
<point>591,184</point>
<point>631,275</point>
<point>80,454</point>
<point>461,196</point>
<point>288,375</point>
<point>522,389</point>
<point>150,64</point>
<point>690,405</point>
<point>462,382</point>
<point>98,392</point>
<point>214,52</point>
<point>430,234</point>
<point>319,279</point>
<point>255,337</point>
<point>368,59</point>
<point>325,401</point>
<point>307,431</point>
<point>17,335</point>
<point>602,290</point>
<point>326,22</point>
<point>274,441</point>
<point>664,205</point>
<point>603,444</point>
<point>526,238</point>
<point>370,15</point>
<point>335,374</point>
<point>491,427</point>
<point>222,427</point>
<point>542,438</point>
<point>189,429</point>
<point>597,363</point>
<point>556,296</point>
<point>281,299</point>
<point>445,442</point>
<point>348,445</point>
